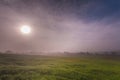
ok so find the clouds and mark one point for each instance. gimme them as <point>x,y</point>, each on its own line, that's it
<point>60,25</point>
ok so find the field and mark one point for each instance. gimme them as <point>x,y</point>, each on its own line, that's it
<point>24,67</point>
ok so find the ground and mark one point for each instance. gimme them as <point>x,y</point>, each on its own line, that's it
<point>24,67</point>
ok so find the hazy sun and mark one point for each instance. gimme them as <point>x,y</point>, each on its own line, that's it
<point>25,29</point>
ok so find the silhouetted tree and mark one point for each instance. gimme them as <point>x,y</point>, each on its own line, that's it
<point>9,52</point>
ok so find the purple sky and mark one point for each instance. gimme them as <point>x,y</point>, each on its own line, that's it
<point>60,25</point>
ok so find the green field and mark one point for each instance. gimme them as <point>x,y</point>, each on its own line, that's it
<point>24,67</point>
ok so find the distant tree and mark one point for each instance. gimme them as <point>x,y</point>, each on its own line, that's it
<point>87,53</point>
<point>113,53</point>
<point>0,52</point>
<point>8,52</point>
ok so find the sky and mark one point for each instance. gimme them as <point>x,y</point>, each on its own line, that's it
<point>60,25</point>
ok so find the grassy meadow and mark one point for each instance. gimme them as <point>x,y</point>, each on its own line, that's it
<point>31,67</point>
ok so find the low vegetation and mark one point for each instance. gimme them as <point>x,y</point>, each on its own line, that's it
<point>31,67</point>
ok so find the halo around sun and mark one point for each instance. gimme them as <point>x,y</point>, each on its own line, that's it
<point>25,29</point>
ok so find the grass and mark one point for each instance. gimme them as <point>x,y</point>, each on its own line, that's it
<point>24,67</point>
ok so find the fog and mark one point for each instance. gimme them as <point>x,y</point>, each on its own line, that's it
<point>60,25</point>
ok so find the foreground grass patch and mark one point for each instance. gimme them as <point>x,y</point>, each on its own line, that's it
<point>23,67</point>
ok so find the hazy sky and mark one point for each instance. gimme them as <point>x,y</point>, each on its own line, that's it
<point>60,25</point>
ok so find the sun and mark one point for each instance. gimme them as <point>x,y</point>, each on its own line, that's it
<point>25,29</point>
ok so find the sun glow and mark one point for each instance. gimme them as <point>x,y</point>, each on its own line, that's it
<point>25,29</point>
